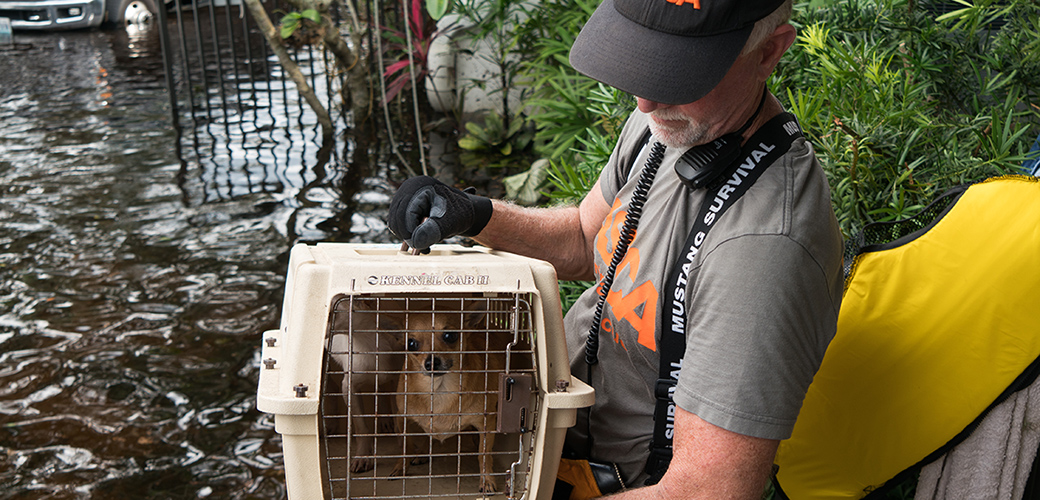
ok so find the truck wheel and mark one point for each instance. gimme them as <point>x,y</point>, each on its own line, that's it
<point>119,13</point>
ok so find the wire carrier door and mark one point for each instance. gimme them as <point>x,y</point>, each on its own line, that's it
<point>419,376</point>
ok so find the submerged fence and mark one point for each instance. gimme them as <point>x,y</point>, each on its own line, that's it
<point>243,129</point>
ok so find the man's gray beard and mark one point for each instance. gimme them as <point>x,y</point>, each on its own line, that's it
<point>686,137</point>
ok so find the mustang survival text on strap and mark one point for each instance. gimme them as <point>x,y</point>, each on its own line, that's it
<point>762,149</point>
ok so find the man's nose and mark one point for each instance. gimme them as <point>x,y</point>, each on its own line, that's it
<point>646,105</point>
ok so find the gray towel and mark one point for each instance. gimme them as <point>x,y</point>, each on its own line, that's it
<point>995,460</point>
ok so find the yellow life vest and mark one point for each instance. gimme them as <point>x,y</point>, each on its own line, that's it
<point>935,328</point>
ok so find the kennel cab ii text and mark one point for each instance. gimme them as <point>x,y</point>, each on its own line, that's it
<point>429,280</point>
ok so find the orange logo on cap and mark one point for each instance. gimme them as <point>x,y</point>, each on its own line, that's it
<point>696,3</point>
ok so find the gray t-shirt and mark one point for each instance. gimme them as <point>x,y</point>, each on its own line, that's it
<point>762,303</point>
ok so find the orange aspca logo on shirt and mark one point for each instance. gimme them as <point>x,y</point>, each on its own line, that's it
<point>696,3</point>
<point>636,304</point>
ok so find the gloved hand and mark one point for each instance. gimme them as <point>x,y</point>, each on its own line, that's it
<point>425,211</point>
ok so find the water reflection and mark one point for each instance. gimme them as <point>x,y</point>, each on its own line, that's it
<point>138,268</point>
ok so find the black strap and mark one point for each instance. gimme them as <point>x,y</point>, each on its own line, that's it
<point>768,144</point>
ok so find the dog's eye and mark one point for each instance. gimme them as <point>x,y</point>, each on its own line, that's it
<point>450,337</point>
<point>413,345</point>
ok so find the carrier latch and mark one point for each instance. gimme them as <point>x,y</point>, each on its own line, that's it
<point>514,397</point>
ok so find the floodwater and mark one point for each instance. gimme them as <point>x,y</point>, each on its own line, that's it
<point>136,279</point>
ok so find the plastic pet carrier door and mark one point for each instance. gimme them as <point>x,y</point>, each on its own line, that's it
<point>419,376</point>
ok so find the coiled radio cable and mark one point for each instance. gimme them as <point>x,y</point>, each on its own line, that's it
<point>628,230</point>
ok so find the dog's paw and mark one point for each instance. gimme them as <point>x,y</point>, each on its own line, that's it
<point>488,486</point>
<point>359,465</point>
<point>398,471</point>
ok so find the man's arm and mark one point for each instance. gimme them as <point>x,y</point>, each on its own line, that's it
<point>563,236</point>
<point>710,462</point>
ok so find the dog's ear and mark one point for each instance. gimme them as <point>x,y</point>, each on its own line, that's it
<point>476,315</point>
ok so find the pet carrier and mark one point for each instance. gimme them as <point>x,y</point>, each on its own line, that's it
<point>395,375</point>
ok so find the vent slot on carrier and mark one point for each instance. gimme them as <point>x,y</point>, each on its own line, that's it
<point>415,389</point>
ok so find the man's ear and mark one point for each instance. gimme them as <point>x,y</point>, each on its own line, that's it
<point>773,48</point>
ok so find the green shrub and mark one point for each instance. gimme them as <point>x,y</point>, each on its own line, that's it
<point>901,107</point>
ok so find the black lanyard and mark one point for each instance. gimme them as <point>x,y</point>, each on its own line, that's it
<point>767,145</point>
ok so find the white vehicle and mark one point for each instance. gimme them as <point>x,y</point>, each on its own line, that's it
<point>75,14</point>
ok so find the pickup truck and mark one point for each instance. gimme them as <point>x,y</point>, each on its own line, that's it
<point>75,14</point>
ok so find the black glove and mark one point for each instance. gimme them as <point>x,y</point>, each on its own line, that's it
<point>425,211</point>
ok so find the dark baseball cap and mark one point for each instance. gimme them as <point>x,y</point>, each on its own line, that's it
<point>667,51</point>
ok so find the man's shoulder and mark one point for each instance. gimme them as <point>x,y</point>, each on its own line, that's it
<point>791,199</point>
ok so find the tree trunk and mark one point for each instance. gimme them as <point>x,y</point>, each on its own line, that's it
<point>274,40</point>
<point>358,89</point>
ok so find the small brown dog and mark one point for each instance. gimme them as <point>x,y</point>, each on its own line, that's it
<point>450,381</point>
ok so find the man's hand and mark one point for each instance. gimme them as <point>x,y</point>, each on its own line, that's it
<point>425,211</point>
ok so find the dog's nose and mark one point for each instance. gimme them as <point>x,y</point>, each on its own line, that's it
<point>436,365</point>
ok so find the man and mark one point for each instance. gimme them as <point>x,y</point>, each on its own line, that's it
<point>761,291</point>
